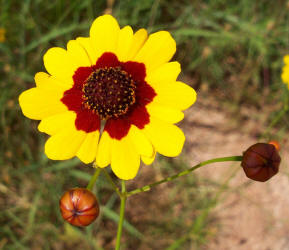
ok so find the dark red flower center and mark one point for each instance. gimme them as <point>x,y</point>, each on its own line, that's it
<point>113,91</point>
<point>109,92</point>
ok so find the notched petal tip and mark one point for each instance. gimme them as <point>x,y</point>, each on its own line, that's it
<point>64,145</point>
<point>158,49</point>
<point>125,160</point>
<point>167,139</point>
<point>104,22</point>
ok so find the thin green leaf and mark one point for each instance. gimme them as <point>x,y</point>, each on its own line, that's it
<point>115,217</point>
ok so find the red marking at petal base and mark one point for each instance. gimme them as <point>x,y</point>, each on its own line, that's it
<point>137,70</point>
<point>139,117</point>
<point>72,98</point>
<point>87,121</point>
<point>80,75</point>
<point>117,128</point>
<point>145,93</point>
<point>107,59</point>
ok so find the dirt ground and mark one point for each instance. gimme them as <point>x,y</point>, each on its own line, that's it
<point>251,215</point>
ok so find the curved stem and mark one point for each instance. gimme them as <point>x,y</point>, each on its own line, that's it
<point>93,179</point>
<point>123,198</point>
<point>110,180</point>
<point>148,187</point>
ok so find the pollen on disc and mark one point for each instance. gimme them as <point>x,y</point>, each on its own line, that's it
<point>109,92</point>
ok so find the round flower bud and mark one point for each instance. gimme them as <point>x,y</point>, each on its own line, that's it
<point>79,207</point>
<point>261,161</point>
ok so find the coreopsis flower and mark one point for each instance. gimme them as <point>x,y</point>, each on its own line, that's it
<point>285,70</point>
<point>112,98</point>
<point>261,161</point>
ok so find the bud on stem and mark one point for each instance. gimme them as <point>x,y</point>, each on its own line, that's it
<point>79,207</point>
<point>261,161</point>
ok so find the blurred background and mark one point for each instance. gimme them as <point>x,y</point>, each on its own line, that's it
<point>231,52</point>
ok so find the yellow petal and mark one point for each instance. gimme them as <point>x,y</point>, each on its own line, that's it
<point>48,82</point>
<point>285,73</point>
<point>65,144</point>
<point>138,41</point>
<point>166,138</point>
<point>59,64</point>
<point>142,145</point>
<point>56,123</point>
<point>104,35</point>
<point>124,43</point>
<point>285,77</point>
<point>125,160</point>
<point>87,151</point>
<point>166,73</point>
<point>38,104</point>
<point>86,44</point>
<point>286,59</point>
<point>148,160</point>
<point>158,49</point>
<point>177,95</point>
<point>78,54</point>
<point>103,154</point>
<point>164,113</point>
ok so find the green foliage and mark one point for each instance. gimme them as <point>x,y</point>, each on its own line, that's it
<point>234,48</point>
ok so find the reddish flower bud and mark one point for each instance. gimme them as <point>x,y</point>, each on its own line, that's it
<point>79,207</point>
<point>261,161</point>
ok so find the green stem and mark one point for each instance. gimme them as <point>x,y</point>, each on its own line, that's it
<point>93,179</point>
<point>123,198</point>
<point>148,187</point>
<point>111,182</point>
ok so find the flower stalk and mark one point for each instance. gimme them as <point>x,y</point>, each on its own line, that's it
<point>93,179</point>
<point>185,172</point>
<point>114,186</point>
<point>123,198</point>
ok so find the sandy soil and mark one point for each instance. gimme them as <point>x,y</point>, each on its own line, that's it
<point>251,215</point>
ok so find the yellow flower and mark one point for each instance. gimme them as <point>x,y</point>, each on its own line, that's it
<point>111,97</point>
<point>285,70</point>
<point>2,35</point>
